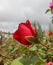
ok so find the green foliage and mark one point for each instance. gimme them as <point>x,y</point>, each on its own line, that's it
<point>40,63</point>
<point>34,54</point>
<point>48,10</point>
<point>52,11</point>
<point>27,61</point>
<point>52,21</point>
<point>16,62</point>
<point>40,33</point>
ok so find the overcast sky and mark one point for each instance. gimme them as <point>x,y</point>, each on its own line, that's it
<point>12,12</point>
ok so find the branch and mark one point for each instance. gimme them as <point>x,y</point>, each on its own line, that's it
<point>43,44</point>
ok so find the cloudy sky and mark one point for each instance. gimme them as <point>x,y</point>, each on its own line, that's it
<point>12,12</point>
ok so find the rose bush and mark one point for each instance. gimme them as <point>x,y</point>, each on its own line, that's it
<point>42,44</point>
<point>24,29</point>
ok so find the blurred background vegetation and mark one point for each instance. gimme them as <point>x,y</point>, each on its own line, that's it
<point>13,53</point>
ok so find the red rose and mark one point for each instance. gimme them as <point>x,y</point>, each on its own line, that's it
<point>49,63</point>
<point>50,33</point>
<point>24,29</point>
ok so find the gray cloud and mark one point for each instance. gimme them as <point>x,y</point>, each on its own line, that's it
<point>12,12</point>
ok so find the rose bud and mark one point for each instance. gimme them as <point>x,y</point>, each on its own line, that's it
<point>51,5</point>
<point>24,29</point>
<point>50,33</point>
<point>49,63</point>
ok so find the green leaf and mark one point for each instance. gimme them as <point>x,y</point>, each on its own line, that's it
<point>16,62</point>
<point>51,11</point>
<point>47,11</point>
<point>28,61</point>
<point>11,47</point>
<point>40,63</point>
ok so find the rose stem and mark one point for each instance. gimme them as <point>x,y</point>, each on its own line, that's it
<point>44,45</point>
